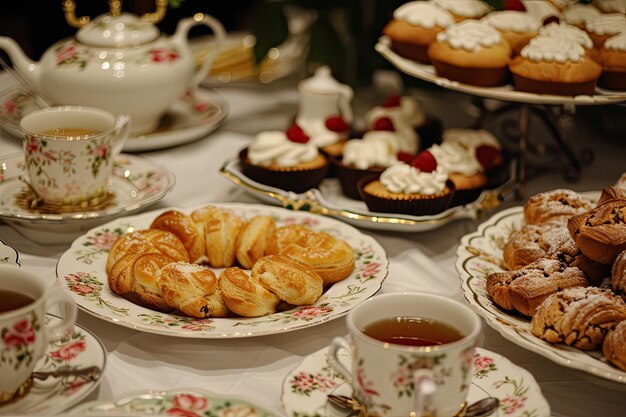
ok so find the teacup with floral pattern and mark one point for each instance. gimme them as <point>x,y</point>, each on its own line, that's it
<point>24,334</point>
<point>69,152</point>
<point>395,380</point>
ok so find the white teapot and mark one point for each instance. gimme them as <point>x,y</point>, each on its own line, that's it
<point>119,62</point>
<point>321,96</point>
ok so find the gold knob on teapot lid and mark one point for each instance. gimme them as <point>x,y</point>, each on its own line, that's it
<point>115,9</point>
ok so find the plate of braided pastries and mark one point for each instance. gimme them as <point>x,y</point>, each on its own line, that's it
<point>222,270</point>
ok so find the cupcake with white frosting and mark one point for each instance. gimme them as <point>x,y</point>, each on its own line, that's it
<point>285,160</point>
<point>555,65</point>
<point>612,57</point>
<point>465,9</point>
<point>366,157</point>
<point>566,31</point>
<point>517,28</point>
<point>542,10</point>
<point>604,26</point>
<point>405,189</point>
<point>328,135</point>
<point>577,14</point>
<point>414,27</point>
<point>472,52</point>
<point>611,6</point>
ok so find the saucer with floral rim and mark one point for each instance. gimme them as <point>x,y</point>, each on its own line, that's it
<point>81,349</point>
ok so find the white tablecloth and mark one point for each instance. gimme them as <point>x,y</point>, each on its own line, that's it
<point>255,367</point>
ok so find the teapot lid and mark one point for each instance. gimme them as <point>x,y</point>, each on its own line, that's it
<point>117,31</point>
<point>323,82</point>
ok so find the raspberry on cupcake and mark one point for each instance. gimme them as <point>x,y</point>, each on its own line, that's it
<point>329,135</point>
<point>472,52</point>
<point>414,26</point>
<point>401,115</point>
<point>285,160</point>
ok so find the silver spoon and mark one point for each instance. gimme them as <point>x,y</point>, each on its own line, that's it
<point>481,408</point>
<point>90,373</point>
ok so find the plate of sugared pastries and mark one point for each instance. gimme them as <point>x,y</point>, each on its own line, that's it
<point>538,47</point>
<point>222,270</point>
<point>551,276</point>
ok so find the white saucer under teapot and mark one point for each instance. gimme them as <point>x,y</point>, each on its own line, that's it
<point>119,62</point>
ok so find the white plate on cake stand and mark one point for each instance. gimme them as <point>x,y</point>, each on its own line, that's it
<point>137,183</point>
<point>81,349</point>
<point>505,93</point>
<point>306,387</point>
<point>190,118</point>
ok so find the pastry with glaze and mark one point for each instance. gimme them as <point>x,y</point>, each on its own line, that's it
<point>614,346</point>
<point>244,295</point>
<point>186,230</point>
<point>579,317</point>
<point>253,239</point>
<point>220,228</point>
<point>618,275</point>
<point>291,281</point>
<point>146,270</point>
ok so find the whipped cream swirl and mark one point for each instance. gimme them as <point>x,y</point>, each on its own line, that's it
<point>454,158</point>
<point>317,132</point>
<point>578,14</point>
<point>424,14</point>
<point>611,6</point>
<point>470,35</point>
<point>273,148</point>
<point>470,139</point>
<point>607,24</point>
<point>567,31</point>
<point>616,43</point>
<point>403,178</point>
<point>553,49</point>
<point>376,149</point>
<point>512,20</point>
<point>465,8</point>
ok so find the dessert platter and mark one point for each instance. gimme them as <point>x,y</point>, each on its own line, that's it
<point>479,255</point>
<point>181,401</point>
<point>505,93</point>
<point>51,393</point>
<point>189,118</point>
<point>8,254</point>
<point>330,201</point>
<point>88,270</point>
<point>137,182</point>
<point>306,387</point>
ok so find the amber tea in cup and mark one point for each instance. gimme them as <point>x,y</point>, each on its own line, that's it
<point>12,300</point>
<point>413,331</point>
<point>70,132</point>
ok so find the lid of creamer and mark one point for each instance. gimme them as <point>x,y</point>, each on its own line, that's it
<point>322,82</point>
<point>125,30</point>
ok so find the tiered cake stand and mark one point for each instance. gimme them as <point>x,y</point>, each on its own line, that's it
<point>550,109</point>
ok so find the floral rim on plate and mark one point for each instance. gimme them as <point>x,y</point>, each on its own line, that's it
<point>306,387</point>
<point>479,254</point>
<point>80,349</point>
<point>180,402</point>
<point>82,270</point>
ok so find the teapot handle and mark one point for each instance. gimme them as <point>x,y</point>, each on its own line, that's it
<point>345,98</point>
<point>220,35</point>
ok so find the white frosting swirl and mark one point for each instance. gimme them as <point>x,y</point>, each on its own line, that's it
<point>376,149</point>
<point>470,35</point>
<point>465,8</point>
<point>405,118</point>
<point>578,14</point>
<point>452,157</point>
<point>403,178</point>
<point>317,132</point>
<point>567,31</point>
<point>541,9</point>
<point>607,24</point>
<point>611,6</point>
<point>421,13</point>
<point>512,20</point>
<point>470,139</point>
<point>616,43</point>
<point>273,147</point>
<point>553,49</point>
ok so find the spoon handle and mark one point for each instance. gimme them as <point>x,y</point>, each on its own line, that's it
<point>90,372</point>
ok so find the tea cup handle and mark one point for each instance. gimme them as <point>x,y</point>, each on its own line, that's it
<point>338,344</point>
<point>424,394</point>
<point>121,131</point>
<point>58,295</point>
<point>220,35</point>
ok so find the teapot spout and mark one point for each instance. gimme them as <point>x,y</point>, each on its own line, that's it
<point>28,68</point>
